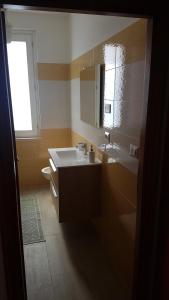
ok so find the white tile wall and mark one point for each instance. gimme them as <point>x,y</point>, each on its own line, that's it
<point>129,81</point>
<point>127,108</point>
<point>54,104</point>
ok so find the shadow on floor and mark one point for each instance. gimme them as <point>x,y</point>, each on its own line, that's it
<point>92,264</point>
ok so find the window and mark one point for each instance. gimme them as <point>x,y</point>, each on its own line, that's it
<point>22,82</point>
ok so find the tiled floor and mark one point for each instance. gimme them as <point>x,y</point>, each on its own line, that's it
<point>71,264</point>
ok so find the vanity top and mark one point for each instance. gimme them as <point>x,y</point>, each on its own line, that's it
<point>70,157</point>
<point>116,154</point>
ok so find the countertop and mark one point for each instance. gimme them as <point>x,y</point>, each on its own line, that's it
<point>81,161</point>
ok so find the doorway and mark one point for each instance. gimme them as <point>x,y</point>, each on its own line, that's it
<point>49,113</point>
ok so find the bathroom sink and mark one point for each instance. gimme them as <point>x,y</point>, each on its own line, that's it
<point>68,157</point>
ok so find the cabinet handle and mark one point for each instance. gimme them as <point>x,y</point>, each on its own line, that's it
<point>53,190</point>
<point>52,165</point>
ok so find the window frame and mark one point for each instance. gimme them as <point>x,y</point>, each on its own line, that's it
<point>28,36</point>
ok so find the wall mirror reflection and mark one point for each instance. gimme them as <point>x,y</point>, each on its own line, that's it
<point>90,95</point>
<point>108,78</point>
<point>97,95</point>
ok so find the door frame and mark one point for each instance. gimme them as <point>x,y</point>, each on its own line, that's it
<point>153,186</point>
<point>10,217</point>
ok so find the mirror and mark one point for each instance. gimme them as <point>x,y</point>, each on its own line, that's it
<point>108,84</point>
<point>90,103</point>
<point>97,95</point>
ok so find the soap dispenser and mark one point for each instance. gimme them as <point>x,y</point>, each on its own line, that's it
<point>91,155</point>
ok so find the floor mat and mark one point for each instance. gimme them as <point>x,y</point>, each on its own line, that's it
<point>31,221</point>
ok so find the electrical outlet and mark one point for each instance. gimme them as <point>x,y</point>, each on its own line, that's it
<point>133,150</point>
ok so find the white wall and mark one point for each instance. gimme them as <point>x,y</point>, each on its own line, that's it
<point>52,33</point>
<point>87,31</point>
<point>55,104</point>
<point>52,39</point>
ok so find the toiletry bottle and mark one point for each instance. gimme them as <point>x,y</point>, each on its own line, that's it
<point>91,155</point>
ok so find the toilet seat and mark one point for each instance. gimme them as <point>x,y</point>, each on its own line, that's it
<point>46,172</point>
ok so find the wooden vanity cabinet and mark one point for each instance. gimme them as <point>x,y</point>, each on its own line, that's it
<point>76,192</point>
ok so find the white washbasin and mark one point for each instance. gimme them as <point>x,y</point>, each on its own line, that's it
<point>67,157</point>
<point>70,155</point>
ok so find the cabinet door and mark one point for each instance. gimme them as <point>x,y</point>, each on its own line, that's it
<point>55,197</point>
<point>79,193</point>
<point>54,175</point>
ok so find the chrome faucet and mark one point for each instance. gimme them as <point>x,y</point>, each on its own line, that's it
<point>107,136</point>
<point>85,148</point>
<point>82,146</point>
<point>109,145</point>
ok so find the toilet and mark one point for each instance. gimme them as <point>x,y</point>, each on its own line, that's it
<point>46,172</point>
